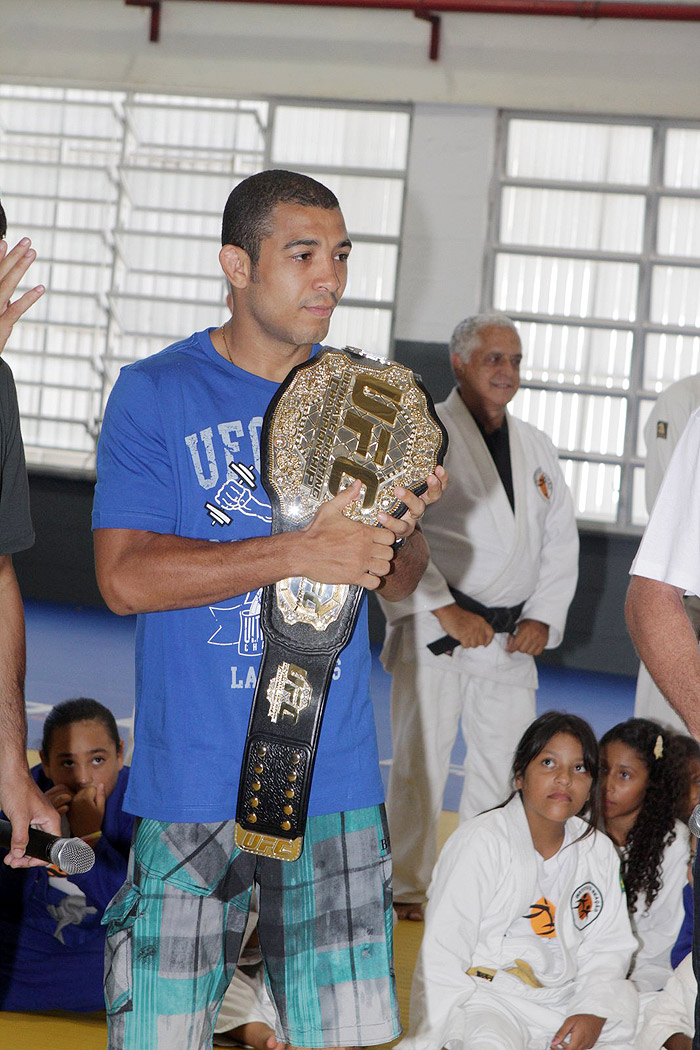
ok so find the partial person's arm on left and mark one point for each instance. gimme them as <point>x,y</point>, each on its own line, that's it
<point>20,798</point>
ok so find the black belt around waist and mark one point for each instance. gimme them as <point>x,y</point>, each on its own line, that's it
<point>502,618</point>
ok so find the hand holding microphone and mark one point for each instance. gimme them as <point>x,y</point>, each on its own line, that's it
<point>70,855</point>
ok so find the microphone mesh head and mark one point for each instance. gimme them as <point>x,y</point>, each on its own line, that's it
<point>694,822</point>
<point>73,856</point>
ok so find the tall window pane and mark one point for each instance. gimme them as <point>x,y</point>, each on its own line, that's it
<point>599,265</point>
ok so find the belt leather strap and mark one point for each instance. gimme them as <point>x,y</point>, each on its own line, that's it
<point>284,727</point>
<point>337,417</point>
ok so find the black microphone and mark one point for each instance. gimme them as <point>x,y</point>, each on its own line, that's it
<point>70,855</point>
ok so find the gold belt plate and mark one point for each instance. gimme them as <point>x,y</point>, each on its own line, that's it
<point>345,416</point>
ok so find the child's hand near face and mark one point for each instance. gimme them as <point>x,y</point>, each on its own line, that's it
<point>60,798</point>
<point>84,760</point>
<point>583,1031</point>
<point>87,810</point>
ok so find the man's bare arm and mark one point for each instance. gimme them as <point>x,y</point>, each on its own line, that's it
<point>149,572</point>
<point>20,798</point>
<point>12,666</point>
<point>406,569</point>
<point>666,643</point>
<point>139,571</point>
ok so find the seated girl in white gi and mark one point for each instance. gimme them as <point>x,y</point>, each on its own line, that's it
<point>644,785</point>
<point>527,939</point>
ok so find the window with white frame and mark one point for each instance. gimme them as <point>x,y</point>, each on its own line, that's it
<point>594,250</point>
<point>122,195</point>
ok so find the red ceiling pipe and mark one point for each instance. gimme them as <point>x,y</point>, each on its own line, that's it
<point>154,34</point>
<point>566,8</point>
<point>426,9</point>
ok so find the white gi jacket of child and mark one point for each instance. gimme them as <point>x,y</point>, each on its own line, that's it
<point>485,879</point>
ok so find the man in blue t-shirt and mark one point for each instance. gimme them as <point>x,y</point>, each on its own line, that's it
<point>182,537</point>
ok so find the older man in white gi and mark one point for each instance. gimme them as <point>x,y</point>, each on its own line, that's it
<point>503,570</point>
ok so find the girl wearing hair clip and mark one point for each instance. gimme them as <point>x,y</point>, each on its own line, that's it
<point>643,782</point>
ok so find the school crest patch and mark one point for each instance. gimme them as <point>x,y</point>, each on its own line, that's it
<point>586,904</point>
<point>543,484</point>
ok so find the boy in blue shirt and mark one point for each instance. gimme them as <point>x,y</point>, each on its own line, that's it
<point>50,925</point>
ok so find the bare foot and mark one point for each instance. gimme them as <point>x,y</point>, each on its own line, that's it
<point>254,1033</point>
<point>414,911</point>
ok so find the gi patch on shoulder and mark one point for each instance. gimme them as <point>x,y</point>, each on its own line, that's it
<point>662,429</point>
<point>543,484</point>
<point>586,904</point>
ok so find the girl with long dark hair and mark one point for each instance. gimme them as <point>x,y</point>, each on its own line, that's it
<point>527,939</point>
<point>643,786</point>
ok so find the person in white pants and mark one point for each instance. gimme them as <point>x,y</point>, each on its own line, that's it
<point>503,571</point>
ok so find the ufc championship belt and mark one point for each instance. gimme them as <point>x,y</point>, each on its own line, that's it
<point>337,417</point>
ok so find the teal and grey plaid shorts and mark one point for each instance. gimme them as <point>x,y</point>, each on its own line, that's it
<point>174,933</point>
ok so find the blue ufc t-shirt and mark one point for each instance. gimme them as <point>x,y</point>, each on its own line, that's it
<point>179,454</point>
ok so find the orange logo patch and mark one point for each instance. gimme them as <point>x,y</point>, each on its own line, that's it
<point>543,484</point>
<point>541,918</point>
<point>586,904</point>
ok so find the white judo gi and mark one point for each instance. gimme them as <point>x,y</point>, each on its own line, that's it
<point>672,1010</point>
<point>485,879</point>
<point>667,421</point>
<point>500,558</point>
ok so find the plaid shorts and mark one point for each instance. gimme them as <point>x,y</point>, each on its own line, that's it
<point>176,926</point>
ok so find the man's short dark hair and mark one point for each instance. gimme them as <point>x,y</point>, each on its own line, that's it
<point>3,223</point>
<point>249,208</point>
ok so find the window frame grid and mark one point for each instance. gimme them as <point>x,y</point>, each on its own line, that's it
<point>646,260</point>
<point>109,331</point>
